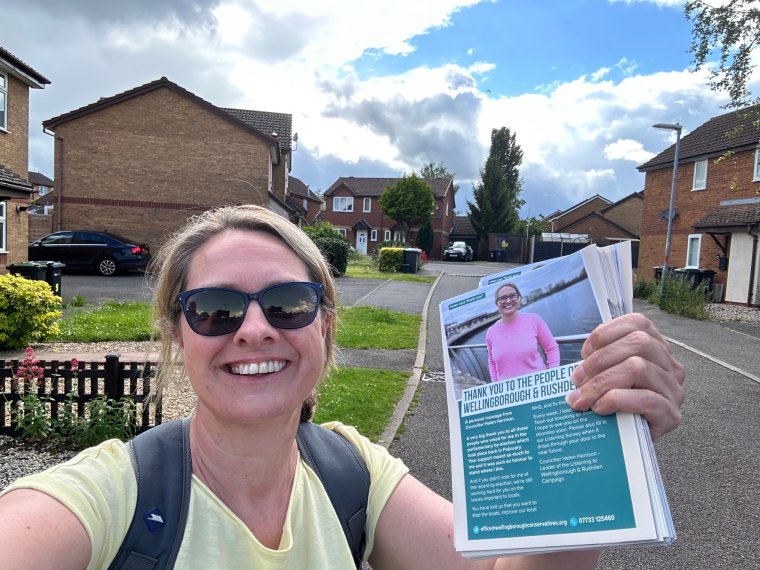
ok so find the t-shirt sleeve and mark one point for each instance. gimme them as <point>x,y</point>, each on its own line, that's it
<point>385,473</point>
<point>97,485</point>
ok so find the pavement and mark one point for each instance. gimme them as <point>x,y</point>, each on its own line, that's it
<point>710,465</point>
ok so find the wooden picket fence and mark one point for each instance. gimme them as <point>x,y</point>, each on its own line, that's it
<point>88,380</point>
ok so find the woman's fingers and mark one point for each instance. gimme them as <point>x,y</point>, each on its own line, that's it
<point>628,367</point>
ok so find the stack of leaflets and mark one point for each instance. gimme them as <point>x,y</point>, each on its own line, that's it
<point>529,474</point>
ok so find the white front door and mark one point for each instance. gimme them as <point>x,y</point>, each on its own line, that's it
<point>361,241</point>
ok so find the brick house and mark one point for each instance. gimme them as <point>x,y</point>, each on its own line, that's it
<point>603,221</point>
<point>16,79</point>
<point>716,220</point>
<point>352,205</point>
<point>141,162</point>
<point>301,197</point>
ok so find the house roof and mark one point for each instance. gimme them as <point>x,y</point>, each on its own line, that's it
<point>162,83</point>
<point>376,186</point>
<point>578,205</point>
<point>297,187</point>
<point>23,71</point>
<point>39,179</point>
<point>732,215</point>
<point>639,195</point>
<point>277,125</point>
<point>12,185</point>
<point>463,227</point>
<point>736,130</point>
<point>597,216</point>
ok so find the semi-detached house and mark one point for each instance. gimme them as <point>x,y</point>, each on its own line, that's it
<point>141,162</point>
<point>352,206</point>
<point>716,214</point>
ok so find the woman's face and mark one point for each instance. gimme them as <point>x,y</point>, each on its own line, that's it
<point>219,367</point>
<point>508,301</point>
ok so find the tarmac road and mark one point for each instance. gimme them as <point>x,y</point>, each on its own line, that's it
<point>710,465</point>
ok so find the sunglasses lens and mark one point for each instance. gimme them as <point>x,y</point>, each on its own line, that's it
<point>290,305</point>
<point>214,312</point>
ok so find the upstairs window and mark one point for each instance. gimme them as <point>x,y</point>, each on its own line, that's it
<point>367,206</point>
<point>700,175</point>
<point>693,250</point>
<point>3,101</point>
<point>343,204</point>
<point>43,190</point>
<point>756,174</point>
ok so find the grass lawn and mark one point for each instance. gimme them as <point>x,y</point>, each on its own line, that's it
<point>373,327</point>
<point>113,321</point>
<point>362,266</point>
<point>361,397</point>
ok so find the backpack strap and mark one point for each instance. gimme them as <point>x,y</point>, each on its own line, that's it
<point>345,477</point>
<point>161,461</point>
<point>163,469</point>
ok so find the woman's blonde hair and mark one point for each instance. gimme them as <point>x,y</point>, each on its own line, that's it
<point>171,267</point>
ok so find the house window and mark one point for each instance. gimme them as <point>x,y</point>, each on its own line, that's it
<point>341,231</point>
<point>305,204</point>
<point>373,235</point>
<point>700,175</point>
<point>367,207</point>
<point>387,235</point>
<point>692,250</point>
<point>2,226</point>
<point>43,190</point>
<point>3,101</point>
<point>343,204</point>
<point>756,176</point>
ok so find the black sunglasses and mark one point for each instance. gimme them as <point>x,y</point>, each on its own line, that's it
<point>214,311</point>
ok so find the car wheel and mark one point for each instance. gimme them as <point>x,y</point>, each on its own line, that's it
<point>108,266</point>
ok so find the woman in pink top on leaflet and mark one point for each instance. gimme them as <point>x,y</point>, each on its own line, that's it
<point>514,339</point>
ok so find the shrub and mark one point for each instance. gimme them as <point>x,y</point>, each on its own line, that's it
<point>334,247</point>
<point>391,259</point>
<point>29,311</point>
<point>644,289</point>
<point>682,297</point>
<point>383,244</point>
<point>335,252</point>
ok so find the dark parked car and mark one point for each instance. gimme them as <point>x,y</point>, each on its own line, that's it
<point>458,251</point>
<point>105,253</point>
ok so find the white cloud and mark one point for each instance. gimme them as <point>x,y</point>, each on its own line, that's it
<point>627,149</point>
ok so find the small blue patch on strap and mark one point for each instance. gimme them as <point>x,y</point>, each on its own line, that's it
<point>154,519</point>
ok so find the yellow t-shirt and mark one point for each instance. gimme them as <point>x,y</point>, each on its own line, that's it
<point>99,487</point>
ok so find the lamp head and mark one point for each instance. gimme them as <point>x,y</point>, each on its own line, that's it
<point>668,126</point>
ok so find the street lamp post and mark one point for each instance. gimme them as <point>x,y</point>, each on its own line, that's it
<point>677,128</point>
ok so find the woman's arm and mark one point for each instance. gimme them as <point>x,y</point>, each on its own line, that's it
<point>39,533</point>
<point>491,361</point>
<point>547,342</point>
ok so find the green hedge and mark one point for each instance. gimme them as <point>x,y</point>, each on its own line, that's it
<point>391,259</point>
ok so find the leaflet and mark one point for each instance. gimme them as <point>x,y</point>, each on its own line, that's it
<point>529,474</point>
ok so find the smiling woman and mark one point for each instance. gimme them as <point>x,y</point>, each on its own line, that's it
<point>514,340</point>
<point>246,307</point>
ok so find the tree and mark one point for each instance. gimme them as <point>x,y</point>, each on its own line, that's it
<point>533,226</point>
<point>497,195</point>
<point>432,170</point>
<point>734,30</point>
<point>425,238</point>
<point>410,201</point>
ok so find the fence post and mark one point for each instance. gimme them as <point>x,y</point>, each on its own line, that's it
<point>112,384</point>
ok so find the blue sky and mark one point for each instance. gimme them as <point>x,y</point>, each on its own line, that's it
<point>382,88</point>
